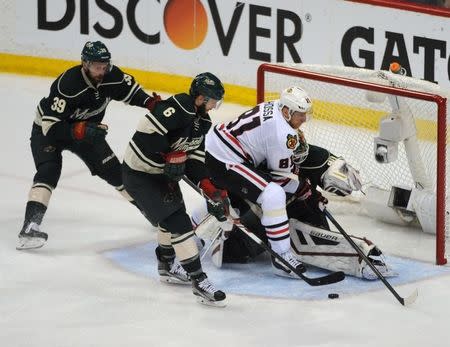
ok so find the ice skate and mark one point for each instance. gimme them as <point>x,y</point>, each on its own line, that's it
<point>206,293</point>
<point>170,271</point>
<point>281,270</point>
<point>31,237</point>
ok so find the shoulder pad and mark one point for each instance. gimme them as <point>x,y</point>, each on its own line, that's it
<point>114,76</point>
<point>71,83</point>
<point>185,102</point>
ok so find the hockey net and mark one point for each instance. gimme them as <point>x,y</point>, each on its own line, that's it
<point>349,105</point>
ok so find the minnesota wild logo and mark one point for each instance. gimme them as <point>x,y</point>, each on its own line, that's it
<point>292,141</point>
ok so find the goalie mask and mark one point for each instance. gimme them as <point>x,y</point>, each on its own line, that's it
<point>302,150</point>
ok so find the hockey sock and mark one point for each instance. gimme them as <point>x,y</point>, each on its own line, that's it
<point>34,212</point>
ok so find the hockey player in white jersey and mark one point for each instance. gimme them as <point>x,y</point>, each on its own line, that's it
<point>312,241</point>
<point>267,133</point>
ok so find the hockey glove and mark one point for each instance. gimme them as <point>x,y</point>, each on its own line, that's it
<point>89,132</point>
<point>303,191</point>
<point>175,164</point>
<point>341,178</point>
<point>220,205</point>
<point>317,201</point>
<point>152,101</point>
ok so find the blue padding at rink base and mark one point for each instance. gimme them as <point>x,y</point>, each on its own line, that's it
<point>256,278</point>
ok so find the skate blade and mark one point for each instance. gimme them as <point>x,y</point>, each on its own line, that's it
<point>26,243</point>
<point>172,280</point>
<point>204,301</point>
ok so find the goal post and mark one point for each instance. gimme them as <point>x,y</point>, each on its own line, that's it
<point>392,128</point>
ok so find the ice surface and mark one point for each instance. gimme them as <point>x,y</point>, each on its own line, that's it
<point>70,293</point>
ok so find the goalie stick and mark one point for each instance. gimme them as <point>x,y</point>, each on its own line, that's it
<point>316,281</point>
<point>404,301</point>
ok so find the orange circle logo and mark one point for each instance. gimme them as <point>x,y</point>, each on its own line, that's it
<point>185,22</point>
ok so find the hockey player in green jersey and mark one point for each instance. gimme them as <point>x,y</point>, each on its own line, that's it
<point>169,143</point>
<point>70,118</point>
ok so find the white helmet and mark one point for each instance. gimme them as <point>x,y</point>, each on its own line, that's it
<point>295,99</point>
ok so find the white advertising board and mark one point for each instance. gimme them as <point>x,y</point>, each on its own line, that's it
<point>230,38</point>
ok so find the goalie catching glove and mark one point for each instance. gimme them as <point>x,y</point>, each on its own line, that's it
<point>220,204</point>
<point>341,178</point>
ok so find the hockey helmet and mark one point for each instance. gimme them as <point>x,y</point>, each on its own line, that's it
<point>95,51</point>
<point>208,85</point>
<point>295,99</point>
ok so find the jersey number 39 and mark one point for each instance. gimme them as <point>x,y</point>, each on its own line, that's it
<point>58,105</point>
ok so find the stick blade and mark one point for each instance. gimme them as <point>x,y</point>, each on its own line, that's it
<point>331,278</point>
<point>410,299</point>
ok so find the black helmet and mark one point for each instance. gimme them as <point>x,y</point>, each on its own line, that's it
<point>95,51</point>
<point>208,85</point>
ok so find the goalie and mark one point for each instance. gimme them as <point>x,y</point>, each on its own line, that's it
<point>312,242</point>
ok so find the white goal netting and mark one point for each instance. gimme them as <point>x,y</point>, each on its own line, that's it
<point>346,119</point>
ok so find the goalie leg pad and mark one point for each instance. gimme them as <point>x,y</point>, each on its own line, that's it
<point>329,250</point>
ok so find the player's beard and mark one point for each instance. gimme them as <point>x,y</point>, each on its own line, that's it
<point>96,79</point>
<point>201,110</point>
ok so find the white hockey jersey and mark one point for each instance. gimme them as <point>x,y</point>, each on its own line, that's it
<point>258,135</point>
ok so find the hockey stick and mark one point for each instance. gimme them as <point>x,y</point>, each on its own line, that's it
<point>216,236</point>
<point>317,281</point>
<point>404,301</point>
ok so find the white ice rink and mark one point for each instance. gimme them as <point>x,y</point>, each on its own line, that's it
<point>69,294</point>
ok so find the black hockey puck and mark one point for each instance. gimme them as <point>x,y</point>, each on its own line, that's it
<point>333,296</point>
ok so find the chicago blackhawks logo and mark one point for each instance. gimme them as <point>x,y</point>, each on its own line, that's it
<point>292,141</point>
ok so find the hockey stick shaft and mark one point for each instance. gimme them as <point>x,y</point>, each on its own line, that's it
<point>404,301</point>
<point>318,281</point>
<point>216,236</point>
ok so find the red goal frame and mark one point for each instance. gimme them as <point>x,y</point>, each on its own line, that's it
<point>440,102</point>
